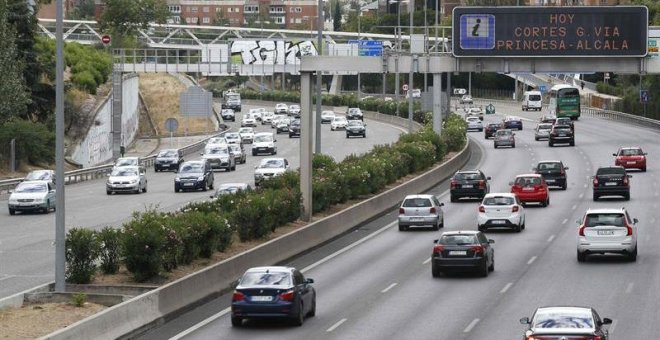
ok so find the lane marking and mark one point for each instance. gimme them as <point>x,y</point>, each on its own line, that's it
<point>563,222</point>
<point>201,324</point>
<point>333,327</point>
<point>508,285</point>
<point>630,287</point>
<point>389,287</point>
<point>552,237</point>
<point>612,326</point>
<point>7,277</point>
<point>531,260</point>
<point>585,185</point>
<point>427,261</point>
<point>574,206</point>
<point>470,326</point>
<point>581,195</point>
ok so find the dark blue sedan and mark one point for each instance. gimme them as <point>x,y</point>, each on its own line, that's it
<point>273,292</point>
<point>513,123</point>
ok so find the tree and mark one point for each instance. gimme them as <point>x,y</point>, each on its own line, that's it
<point>14,95</point>
<point>124,17</point>
<point>336,17</point>
<point>84,10</point>
<point>220,19</point>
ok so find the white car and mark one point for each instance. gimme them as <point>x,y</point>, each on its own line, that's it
<point>228,114</point>
<point>267,117</point>
<point>501,210</point>
<point>248,120</point>
<point>238,152</point>
<point>327,116</point>
<point>127,179</point>
<point>220,157</point>
<point>276,120</point>
<point>216,141</point>
<point>257,113</point>
<point>604,231</point>
<point>475,112</point>
<point>233,138</point>
<point>281,108</point>
<point>127,161</point>
<point>40,175</point>
<point>339,122</point>
<point>466,99</point>
<point>264,142</point>
<point>294,110</point>
<point>247,134</point>
<point>269,168</point>
<point>32,196</point>
<point>473,123</point>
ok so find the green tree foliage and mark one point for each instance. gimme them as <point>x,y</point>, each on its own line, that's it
<point>220,19</point>
<point>14,98</point>
<point>83,11</point>
<point>35,143</point>
<point>336,16</point>
<point>123,18</point>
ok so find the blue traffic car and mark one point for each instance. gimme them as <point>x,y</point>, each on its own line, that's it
<point>513,123</point>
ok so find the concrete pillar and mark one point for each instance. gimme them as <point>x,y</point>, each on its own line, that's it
<point>437,103</point>
<point>306,143</point>
<point>449,93</point>
<point>117,102</point>
<point>335,85</point>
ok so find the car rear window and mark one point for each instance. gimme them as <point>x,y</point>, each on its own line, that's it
<point>528,181</point>
<point>266,279</point>
<point>610,171</point>
<point>417,203</point>
<point>458,239</point>
<point>503,132</point>
<point>545,126</point>
<point>467,176</point>
<point>498,200</point>
<point>630,152</point>
<point>563,320</point>
<point>614,219</point>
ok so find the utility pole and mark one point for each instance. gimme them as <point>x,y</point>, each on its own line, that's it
<point>60,263</point>
<point>410,74</point>
<point>359,83</point>
<point>396,60</point>
<point>319,77</point>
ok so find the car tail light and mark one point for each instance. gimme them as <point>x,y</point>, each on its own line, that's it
<point>477,249</point>
<point>625,180</point>
<point>516,188</point>
<point>437,249</point>
<point>453,184</point>
<point>515,208</point>
<point>287,296</point>
<point>402,211</point>
<point>432,210</point>
<point>630,230</point>
<point>581,230</point>
<point>597,337</point>
<point>482,209</point>
<point>482,184</point>
<point>238,296</point>
<point>595,181</point>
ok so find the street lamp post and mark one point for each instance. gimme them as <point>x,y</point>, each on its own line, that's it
<point>319,76</point>
<point>410,73</point>
<point>359,82</point>
<point>396,60</point>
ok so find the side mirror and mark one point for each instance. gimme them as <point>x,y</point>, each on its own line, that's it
<point>606,321</point>
<point>614,154</point>
<point>635,221</point>
<point>211,196</point>
<point>309,281</point>
<point>565,168</point>
<point>629,176</point>
<point>255,167</point>
<point>578,221</point>
<point>488,178</point>
<point>510,183</point>
<point>11,191</point>
<point>201,154</point>
<point>435,241</point>
<point>524,321</point>
<point>534,169</point>
<point>442,204</point>
<point>491,241</point>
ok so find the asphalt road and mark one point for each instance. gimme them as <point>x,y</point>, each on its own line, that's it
<point>383,289</point>
<point>26,240</point>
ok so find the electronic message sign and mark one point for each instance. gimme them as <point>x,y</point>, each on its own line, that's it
<point>530,31</point>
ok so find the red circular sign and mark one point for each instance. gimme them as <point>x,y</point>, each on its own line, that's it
<point>405,87</point>
<point>105,39</point>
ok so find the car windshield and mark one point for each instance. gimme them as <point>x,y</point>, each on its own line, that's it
<point>610,219</point>
<point>527,181</point>
<point>355,123</point>
<point>563,129</point>
<point>125,162</point>
<point>630,152</point>
<point>218,151</point>
<point>234,147</point>
<point>296,107</point>
<point>232,135</point>
<point>263,139</point>
<point>353,110</point>
<point>271,163</point>
<point>498,200</point>
<point>473,120</point>
<point>493,125</point>
<point>417,203</point>
<point>191,168</point>
<point>549,166</point>
<point>233,96</point>
<point>503,132</point>
<point>534,97</point>
<point>245,130</point>
<point>124,172</point>
<point>266,279</point>
<point>462,176</point>
<point>216,140</point>
<point>167,153</point>
<point>228,190</point>
<point>31,187</point>
<point>37,176</point>
<point>327,113</point>
<point>611,171</point>
<point>339,119</point>
<point>544,126</point>
<point>563,319</point>
<point>458,239</point>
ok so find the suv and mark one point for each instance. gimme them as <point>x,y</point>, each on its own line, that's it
<point>604,231</point>
<point>489,130</point>
<point>231,100</point>
<point>420,210</point>
<point>193,175</point>
<point>611,180</point>
<point>228,114</point>
<point>501,210</point>
<point>269,168</point>
<point>463,249</point>
<point>354,113</point>
<point>264,142</point>
<point>631,158</point>
<point>561,134</point>
<point>219,156</point>
<point>564,121</point>
<point>294,128</point>
<point>554,173</point>
<point>169,159</point>
<point>468,183</point>
<point>504,137</point>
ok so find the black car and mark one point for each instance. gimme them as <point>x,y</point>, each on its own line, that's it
<point>489,130</point>
<point>194,175</point>
<point>469,183</point>
<point>168,159</point>
<point>553,172</point>
<point>354,113</point>
<point>611,181</point>
<point>565,322</point>
<point>273,292</point>
<point>461,250</point>
<point>356,128</point>
<point>294,128</point>
<point>561,134</point>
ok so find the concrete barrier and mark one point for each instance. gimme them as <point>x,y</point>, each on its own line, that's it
<point>137,314</point>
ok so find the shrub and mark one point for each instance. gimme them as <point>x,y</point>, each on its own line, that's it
<point>82,250</point>
<point>34,142</point>
<point>453,133</point>
<point>110,251</point>
<point>420,153</point>
<point>143,241</point>
<point>78,299</point>
<point>84,81</point>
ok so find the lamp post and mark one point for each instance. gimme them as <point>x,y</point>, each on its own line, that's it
<point>410,74</point>
<point>359,82</point>
<point>319,76</point>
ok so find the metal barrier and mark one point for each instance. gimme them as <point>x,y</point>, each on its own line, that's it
<point>622,117</point>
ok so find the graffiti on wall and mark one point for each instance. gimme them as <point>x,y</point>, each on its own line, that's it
<point>271,51</point>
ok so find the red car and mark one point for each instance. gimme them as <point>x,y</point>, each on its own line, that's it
<point>631,158</point>
<point>531,188</point>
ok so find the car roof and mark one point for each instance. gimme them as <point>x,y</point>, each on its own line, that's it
<point>468,171</point>
<point>263,134</point>
<point>229,185</point>
<point>272,158</point>
<point>630,148</point>
<point>561,126</point>
<point>605,210</point>
<point>500,194</point>
<point>550,161</point>
<point>270,268</point>
<point>563,308</point>
<point>418,196</point>
<point>194,162</point>
<point>528,175</point>
<point>460,232</point>
<point>35,182</point>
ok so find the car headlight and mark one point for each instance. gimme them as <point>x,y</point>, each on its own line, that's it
<point>14,201</point>
<point>200,178</point>
<point>133,181</point>
<point>258,175</point>
<point>38,200</point>
<point>177,179</point>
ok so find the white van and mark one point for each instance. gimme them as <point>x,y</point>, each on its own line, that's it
<point>532,100</point>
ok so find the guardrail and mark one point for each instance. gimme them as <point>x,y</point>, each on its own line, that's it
<point>622,117</point>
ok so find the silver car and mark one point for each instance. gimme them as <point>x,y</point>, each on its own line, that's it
<point>127,179</point>
<point>603,231</point>
<point>32,196</point>
<point>473,123</point>
<point>239,153</point>
<point>542,131</point>
<point>504,137</point>
<point>421,210</point>
<point>219,157</point>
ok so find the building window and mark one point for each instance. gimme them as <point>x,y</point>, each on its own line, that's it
<point>194,9</point>
<point>276,9</point>
<point>218,9</point>
<point>206,20</point>
<point>298,21</point>
<point>251,9</point>
<point>279,20</point>
<point>188,20</point>
<point>193,20</point>
<point>177,20</point>
<point>187,9</point>
<point>205,9</point>
<point>175,9</point>
<point>292,20</point>
<point>298,10</point>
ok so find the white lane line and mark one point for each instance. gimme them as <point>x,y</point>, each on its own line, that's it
<point>333,327</point>
<point>427,261</point>
<point>630,287</point>
<point>574,206</point>
<point>508,285</point>
<point>470,326</point>
<point>585,185</point>
<point>581,195</point>
<point>201,324</point>
<point>7,278</point>
<point>388,288</point>
<point>612,326</point>
<point>531,260</point>
<point>552,237</point>
<point>564,221</point>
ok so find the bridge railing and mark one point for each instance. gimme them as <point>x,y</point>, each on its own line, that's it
<point>622,117</point>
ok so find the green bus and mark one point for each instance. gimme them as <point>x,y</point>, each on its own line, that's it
<point>565,101</point>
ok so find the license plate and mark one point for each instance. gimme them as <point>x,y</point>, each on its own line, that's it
<point>633,162</point>
<point>188,184</point>
<point>260,298</point>
<point>498,222</point>
<point>458,252</point>
<point>528,189</point>
<point>550,180</point>
<point>610,183</point>
<point>605,232</point>
<point>562,135</point>
<point>465,186</point>
<point>416,218</point>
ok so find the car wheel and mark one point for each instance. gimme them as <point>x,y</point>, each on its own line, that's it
<point>495,145</point>
<point>138,190</point>
<point>633,256</point>
<point>300,318</point>
<point>563,187</point>
<point>572,143</point>
<point>545,203</point>
<point>483,270</point>
<point>364,135</point>
<point>442,223</point>
<point>254,153</point>
<point>46,210</point>
<point>435,271</point>
<point>12,212</point>
<point>626,197</point>
<point>402,227</point>
<point>596,197</point>
<point>643,169</point>
<point>453,198</point>
<point>536,138</point>
<point>108,192</point>
<point>206,186</point>
<point>523,224</point>
<point>236,321</point>
<point>481,228</point>
<point>347,136</point>
<point>550,144</point>
<point>517,228</point>
<point>492,263</point>
<point>513,145</point>
<point>155,169</point>
<point>233,168</point>
<point>436,226</point>
<point>312,311</point>
<point>581,257</point>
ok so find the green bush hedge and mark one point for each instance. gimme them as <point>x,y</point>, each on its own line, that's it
<point>82,250</point>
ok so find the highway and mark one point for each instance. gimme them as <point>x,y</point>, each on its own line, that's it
<point>26,240</point>
<point>382,287</point>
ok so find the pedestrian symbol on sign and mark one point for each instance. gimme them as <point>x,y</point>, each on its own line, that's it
<point>643,96</point>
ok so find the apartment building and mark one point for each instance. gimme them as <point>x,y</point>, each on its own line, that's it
<point>576,2</point>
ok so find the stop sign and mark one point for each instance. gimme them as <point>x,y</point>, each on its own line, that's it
<point>105,39</point>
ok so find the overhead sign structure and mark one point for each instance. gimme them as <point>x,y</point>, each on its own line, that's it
<point>369,48</point>
<point>196,102</point>
<point>530,31</point>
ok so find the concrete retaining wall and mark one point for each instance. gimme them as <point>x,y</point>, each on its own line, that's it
<point>149,308</point>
